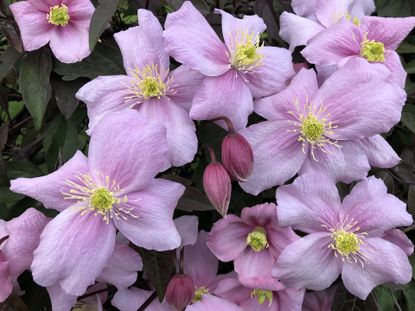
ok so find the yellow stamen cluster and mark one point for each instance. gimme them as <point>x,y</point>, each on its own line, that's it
<point>373,51</point>
<point>246,56</point>
<point>58,15</point>
<point>262,295</point>
<point>257,239</point>
<point>102,199</point>
<point>199,292</point>
<point>346,243</point>
<point>354,20</point>
<point>312,129</point>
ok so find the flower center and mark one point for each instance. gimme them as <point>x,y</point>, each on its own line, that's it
<point>199,292</point>
<point>373,51</point>
<point>102,199</point>
<point>312,129</point>
<point>346,243</point>
<point>246,54</point>
<point>262,295</point>
<point>257,239</point>
<point>58,15</point>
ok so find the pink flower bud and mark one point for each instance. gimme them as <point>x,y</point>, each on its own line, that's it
<point>218,187</point>
<point>237,156</point>
<point>180,291</point>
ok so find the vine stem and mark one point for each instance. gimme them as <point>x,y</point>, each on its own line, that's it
<point>148,301</point>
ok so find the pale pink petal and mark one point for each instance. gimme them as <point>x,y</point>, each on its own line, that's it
<point>209,302</point>
<point>60,300</point>
<point>134,298</point>
<point>290,299</point>
<point>80,12</point>
<point>3,229</point>
<point>394,64</point>
<point>24,235</point>
<point>399,238</point>
<point>231,289</point>
<point>228,238</point>
<point>192,42</point>
<point>304,7</point>
<point>225,96</point>
<point>6,286</point>
<point>279,238</point>
<point>143,45</point>
<point>44,5</point>
<point>261,215</point>
<point>50,189</point>
<point>385,262</point>
<point>297,30</point>
<point>308,263</point>
<point>374,209</point>
<point>330,12</point>
<point>200,263</point>
<point>180,129</point>
<point>365,104</point>
<point>184,83</point>
<point>360,8</point>
<point>379,152</point>
<point>391,31</point>
<point>104,95</point>
<point>121,269</point>
<point>319,301</point>
<point>277,155</point>
<point>188,228</point>
<point>310,201</point>
<point>129,149</point>
<point>273,73</point>
<point>334,44</point>
<point>34,27</point>
<point>70,44</point>
<point>66,247</point>
<point>303,87</point>
<point>154,205</point>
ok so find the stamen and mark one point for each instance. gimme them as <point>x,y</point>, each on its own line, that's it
<point>58,15</point>
<point>199,292</point>
<point>373,51</point>
<point>257,239</point>
<point>245,56</point>
<point>262,295</point>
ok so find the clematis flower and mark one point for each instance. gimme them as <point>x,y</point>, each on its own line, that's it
<point>344,238</point>
<point>64,24</point>
<point>260,299</point>
<point>375,39</point>
<point>333,130</point>
<point>319,301</point>
<point>114,188</point>
<point>313,16</point>
<point>16,253</point>
<point>254,241</point>
<point>159,95</point>
<point>235,72</point>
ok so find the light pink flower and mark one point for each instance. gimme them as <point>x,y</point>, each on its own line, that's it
<point>319,301</point>
<point>236,71</point>
<point>149,87</point>
<point>114,188</point>
<point>375,39</point>
<point>254,241</point>
<point>344,238</point>
<point>313,16</point>
<point>64,24</point>
<point>333,130</point>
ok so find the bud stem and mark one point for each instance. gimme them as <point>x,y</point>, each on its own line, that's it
<point>228,123</point>
<point>212,154</point>
<point>181,261</point>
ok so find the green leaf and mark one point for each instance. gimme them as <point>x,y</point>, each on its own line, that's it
<point>398,8</point>
<point>409,293</point>
<point>8,59</point>
<point>100,19</point>
<point>194,200</point>
<point>105,60</point>
<point>410,67</point>
<point>34,83</point>
<point>65,95</point>
<point>16,169</point>
<point>384,298</point>
<point>7,196</point>
<point>406,48</point>
<point>408,117</point>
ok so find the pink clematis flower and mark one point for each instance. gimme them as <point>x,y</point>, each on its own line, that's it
<point>333,130</point>
<point>313,16</point>
<point>235,71</point>
<point>114,188</point>
<point>344,238</point>
<point>375,39</point>
<point>16,252</point>
<point>159,95</point>
<point>260,299</point>
<point>319,301</point>
<point>64,24</point>
<point>254,241</point>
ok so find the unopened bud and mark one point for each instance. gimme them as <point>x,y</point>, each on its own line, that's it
<point>180,291</point>
<point>237,156</point>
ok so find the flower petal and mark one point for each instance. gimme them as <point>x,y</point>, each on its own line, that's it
<point>49,189</point>
<point>374,209</point>
<point>60,300</point>
<point>131,300</point>
<point>290,299</point>
<point>277,155</point>
<point>319,301</point>
<point>304,7</point>
<point>399,238</point>
<point>385,262</point>
<point>66,247</point>
<point>297,30</point>
<point>379,152</point>
<point>180,129</point>
<point>361,8</point>
<point>128,149</point>
<point>209,302</point>
<point>308,263</point>
<point>6,286</point>
<point>154,205</point>
<point>225,96</point>
<point>104,95</point>
<point>192,42</point>
<point>228,238</point>
<point>80,12</point>
<point>143,45</point>
<point>33,25</point>
<point>187,226</point>
<point>309,202</point>
<point>330,12</point>
<point>394,64</point>
<point>273,73</point>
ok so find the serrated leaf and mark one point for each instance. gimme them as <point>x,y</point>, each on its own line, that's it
<point>8,59</point>
<point>34,83</point>
<point>100,19</point>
